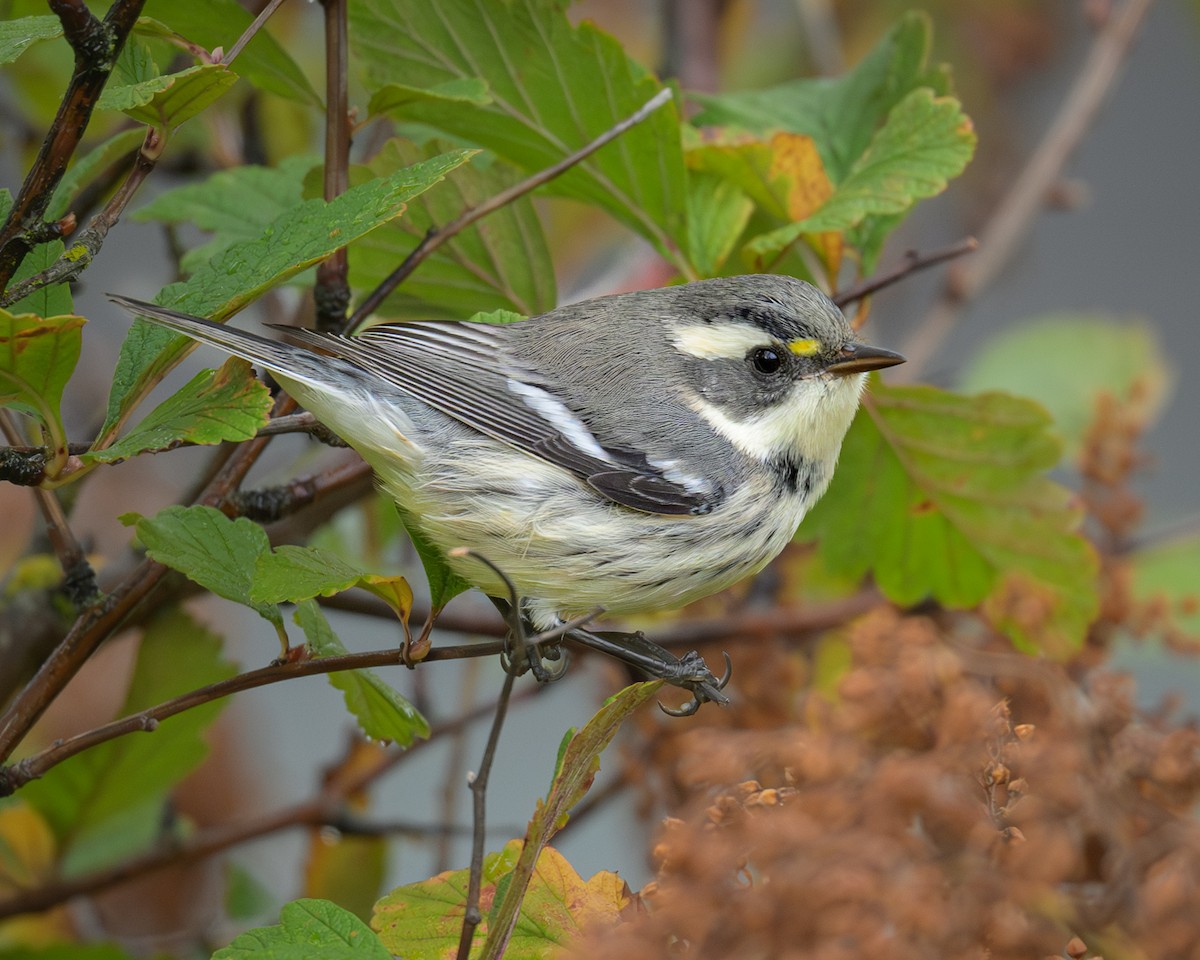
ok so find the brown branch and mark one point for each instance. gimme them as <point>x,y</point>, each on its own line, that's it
<point>478,785</point>
<point>914,261</point>
<point>100,621</point>
<point>1027,197</point>
<point>93,626</point>
<point>331,293</point>
<point>745,627</point>
<point>322,809</point>
<point>79,579</point>
<point>15,776</point>
<point>440,235</point>
<point>97,45</point>
<point>87,244</point>
<point>271,504</point>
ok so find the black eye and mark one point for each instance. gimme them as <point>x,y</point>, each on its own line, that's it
<point>766,360</point>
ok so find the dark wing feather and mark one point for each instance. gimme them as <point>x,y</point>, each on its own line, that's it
<point>461,370</point>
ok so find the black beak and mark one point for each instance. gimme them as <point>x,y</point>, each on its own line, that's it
<point>861,357</point>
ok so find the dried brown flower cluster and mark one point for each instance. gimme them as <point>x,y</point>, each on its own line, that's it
<point>939,801</point>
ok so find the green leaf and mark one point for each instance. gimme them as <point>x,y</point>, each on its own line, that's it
<point>718,212</point>
<point>926,141</point>
<point>214,406</point>
<point>578,766</point>
<point>235,205</point>
<point>90,165</point>
<point>444,583</point>
<point>17,36</point>
<point>1165,575</point>
<point>290,574</point>
<point>382,713</point>
<point>264,62</point>
<point>941,495</point>
<point>105,803</point>
<point>1124,360</point>
<point>135,65</point>
<point>501,262</point>
<point>37,357</point>
<point>551,87</point>
<point>421,921</point>
<point>308,929</point>
<point>294,241</point>
<point>840,114</point>
<point>52,301</point>
<point>167,101</point>
<point>206,546</point>
<point>394,97</point>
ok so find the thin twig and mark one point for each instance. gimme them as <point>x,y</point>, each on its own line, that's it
<point>86,245</point>
<point>99,622</point>
<point>456,759</point>
<point>36,766</point>
<point>240,44</point>
<point>913,262</point>
<point>79,579</point>
<point>97,45</point>
<point>331,294</point>
<point>479,782</point>
<point>1016,212</point>
<point>746,627</point>
<point>439,235</point>
<point>205,843</point>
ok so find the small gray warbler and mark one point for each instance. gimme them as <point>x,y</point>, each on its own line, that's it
<point>634,452</point>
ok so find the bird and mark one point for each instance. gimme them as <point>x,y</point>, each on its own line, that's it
<point>633,452</point>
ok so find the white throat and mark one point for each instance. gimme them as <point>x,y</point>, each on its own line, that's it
<point>810,422</point>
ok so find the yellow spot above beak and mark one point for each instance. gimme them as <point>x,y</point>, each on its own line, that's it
<point>805,348</point>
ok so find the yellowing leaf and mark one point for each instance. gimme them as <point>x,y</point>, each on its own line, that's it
<point>37,357</point>
<point>421,921</point>
<point>27,848</point>
<point>795,160</point>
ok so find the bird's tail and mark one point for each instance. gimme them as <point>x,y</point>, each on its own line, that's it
<point>293,362</point>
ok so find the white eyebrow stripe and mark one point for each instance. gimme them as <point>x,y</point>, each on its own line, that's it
<point>555,413</point>
<point>719,341</point>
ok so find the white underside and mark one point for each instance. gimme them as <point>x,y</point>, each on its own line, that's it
<point>565,548</point>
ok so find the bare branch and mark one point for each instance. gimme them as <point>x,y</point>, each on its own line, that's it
<point>14,777</point>
<point>1027,197</point>
<point>324,808</point>
<point>479,782</point>
<point>439,235</point>
<point>86,246</point>
<point>914,261</point>
<point>259,21</point>
<point>79,579</point>
<point>332,291</point>
<point>96,45</point>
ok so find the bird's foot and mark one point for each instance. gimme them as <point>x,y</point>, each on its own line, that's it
<point>689,671</point>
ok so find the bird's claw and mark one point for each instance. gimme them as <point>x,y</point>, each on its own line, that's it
<point>534,660</point>
<point>705,687</point>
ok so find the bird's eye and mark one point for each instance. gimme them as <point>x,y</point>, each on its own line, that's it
<point>766,360</point>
